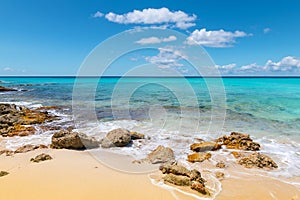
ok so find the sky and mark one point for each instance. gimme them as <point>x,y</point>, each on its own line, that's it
<point>54,37</point>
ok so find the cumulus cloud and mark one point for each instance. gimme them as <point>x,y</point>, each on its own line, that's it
<point>218,39</point>
<point>152,16</point>
<point>156,40</point>
<point>286,65</point>
<point>167,58</point>
<point>98,14</point>
<point>267,30</point>
<point>8,69</point>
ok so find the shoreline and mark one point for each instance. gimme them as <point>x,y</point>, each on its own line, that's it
<point>77,175</point>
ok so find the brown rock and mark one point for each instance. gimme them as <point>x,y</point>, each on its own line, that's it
<point>116,138</point>
<point>198,157</point>
<point>4,89</point>
<point>237,154</point>
<point>205,146</point>
<point>221,164</point>
<point>41,157</point>
<point>161,155</point>
<point>7,152</point>
<point>21,130</point>
<point>72,140</point>
<point>257,160</point>
<point>177,180</point>
<point>3,173</point>
<point>220,175</point>
<point>29,147</point>
<point>239,141</point>
<point>175,169</point>
<point>136,135</point>
<point>199,187</point>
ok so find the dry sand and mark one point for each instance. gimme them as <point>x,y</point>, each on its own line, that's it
<point>77,175</point>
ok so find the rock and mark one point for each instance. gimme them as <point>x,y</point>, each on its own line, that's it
<point>161,155</point>
<point>199,187</point>
<point>175,169</point>
<point>239,141</point>
<point>136,135</point>
<point>72,140</point>
<point>3,173</point>
<point>4,89</point>
<point>257,160</point>
<point>220,175</point>
<point>177,180</point>
<point>205,146</point>
<point>29,147</point>
<point>195,175</point>
<point>7,152</point>
<point>41,157</point>
<point>45,108</point>
<point>237,154</point>
<point>116,138</point>
<point>18,120</point>
<point>221,164</point>
<point>198,157</point>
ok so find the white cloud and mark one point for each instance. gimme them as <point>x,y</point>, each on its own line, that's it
<point>151,16</point>
<point>267,30</point>
<point>167,58</point>
<point>156,40</point>
<point>98,14</point>
<point>8,69</point>
<point>286,65</point>
<point>219,38</point>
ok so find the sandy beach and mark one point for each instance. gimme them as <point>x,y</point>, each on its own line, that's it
<point>77,175</point>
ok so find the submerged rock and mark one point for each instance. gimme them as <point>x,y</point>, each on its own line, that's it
<point>257,160</point>
<point>220,175</point>
<point>116,138</point>
<point>65,139</point>
<point>198,157</point>
<point>3,173</point>
<point>41,157</point>
<point>205,146</point>
<point>181,176</point>
<point>4,89</point>
<point>161,155</point>
<point>239,141</point>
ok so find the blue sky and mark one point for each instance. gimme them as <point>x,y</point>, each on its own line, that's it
<point>54,37</point>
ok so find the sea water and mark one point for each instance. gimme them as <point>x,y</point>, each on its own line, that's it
<point>170,111</point>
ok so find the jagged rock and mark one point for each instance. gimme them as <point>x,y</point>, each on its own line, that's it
<point>198,157</point>
<point>116,138</point>
<point>18,120</point>
<point>161,155</point>
<point>136,135</point>
<point>7,152</point>
<point>199,187</point>
<point>72,140</point>
<point>3,173</point>
<point>177,180</point>
<point>29,147</point>
<point>205,146</point>
<point>220,175</point>
<point>195,175</point>
<point>239,141</point>
<point>4,89</point>
<point>175,169</point>
<point>41,157</point>
<point>221,164</point>
<point>257,160</point>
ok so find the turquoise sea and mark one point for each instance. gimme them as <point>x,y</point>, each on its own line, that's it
<point>172,111</point>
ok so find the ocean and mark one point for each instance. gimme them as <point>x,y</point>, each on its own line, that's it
<point>171,111</point>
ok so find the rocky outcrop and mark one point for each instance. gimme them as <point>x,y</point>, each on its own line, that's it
<point>29,147</point>
<point>65,139</point>
<point>239,141</point>
<point>41,157</point>
<point>116,138</point>
<point>257,160</point>
<point>161,155</point>
<point>198,157</point>
<point>205,146</point>
<point>19,120</point>
<point>4,89</point>
<point>7,152</point>
<point>181,176</point>
<point>3,173</point>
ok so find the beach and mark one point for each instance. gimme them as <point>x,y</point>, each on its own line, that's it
<point>77,175</point>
